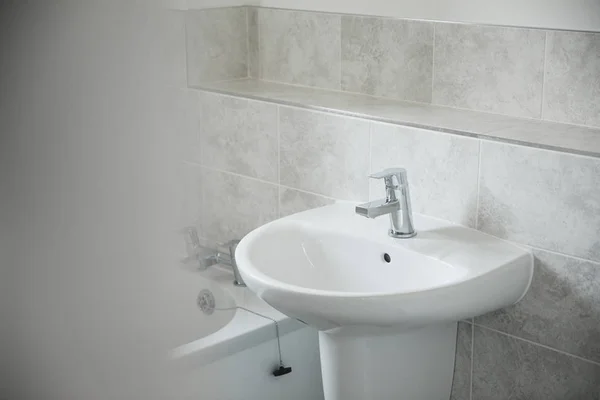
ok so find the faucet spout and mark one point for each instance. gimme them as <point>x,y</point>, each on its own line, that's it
<point>377,208</point>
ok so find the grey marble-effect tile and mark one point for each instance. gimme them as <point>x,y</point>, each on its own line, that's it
<point>366,106</point>
<point>293,201</point>
<point>300,47</point>
<point>461,384</point>
<point>253,40</point>
<point>572,86</point>
<point>442,169</point>
<point>324,154</point>
<point>509,368</point>
<point>387,57</point>
<point>536,133</point>
<point>542,198</point>
<point>239,135</point>
<point>560,310</point>
<point>217,44</point>
<point>173,47</point>
<point>233,205</point>
<point>486,68</point>
<point>552,135</point>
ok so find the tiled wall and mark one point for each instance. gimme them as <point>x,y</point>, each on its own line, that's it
<point>531,73</point>
<point>250,162</point>
<point>217,44</point>
<point>260,161</point>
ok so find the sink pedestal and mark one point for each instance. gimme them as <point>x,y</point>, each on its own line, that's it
<point>412,365</point>
<point>382,305</point>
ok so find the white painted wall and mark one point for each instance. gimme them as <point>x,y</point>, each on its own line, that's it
<point>200,4</point>
<point>557,14</point>
<point>192,4</point>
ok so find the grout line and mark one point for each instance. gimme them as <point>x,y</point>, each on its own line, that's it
<point>530,247</point>
<point>370,171</point>
<point>433,64</point>
<point>186,44</point>
<point>278,201</point>
<point>537,344</point>
<point>194,164</point>
<point>370,148</point>
<point>278,146</point>
<point>233,173</point>
<point>278,164</point>
<point>247,42</point>
<point>258,57</point>
<point>559,254</point>
<point>311,193</point>
<point>472,359</point>
<point>544,75</point>
<point>478,187</point>
<point>341,89</point>
<point>499,140</point>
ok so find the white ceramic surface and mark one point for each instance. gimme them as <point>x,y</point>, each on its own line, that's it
<point>200,339</point>
<point>413,365</point>
<point>237,347</point>
<point>326,267</point>
<point>187,322</point>
<point>382,304</point>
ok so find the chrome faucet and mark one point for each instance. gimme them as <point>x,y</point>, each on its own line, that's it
<point>237,278</point>
<point>396,203</point>
<point>205,256</point>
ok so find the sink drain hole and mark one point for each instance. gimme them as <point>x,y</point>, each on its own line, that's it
<point>387,258</point>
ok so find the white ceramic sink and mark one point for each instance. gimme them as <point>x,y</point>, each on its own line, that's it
<point>328,267</point>
<point>397,298</point>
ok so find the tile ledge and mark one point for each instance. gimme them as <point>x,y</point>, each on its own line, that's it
<point>555,136</point>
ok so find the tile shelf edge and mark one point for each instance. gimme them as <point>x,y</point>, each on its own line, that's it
<point>547,135</point>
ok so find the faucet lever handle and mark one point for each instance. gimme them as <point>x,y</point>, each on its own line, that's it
<point>191,236</point>
<point>389,173</point>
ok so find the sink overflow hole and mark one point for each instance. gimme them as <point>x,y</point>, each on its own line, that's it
<point>386,257</point>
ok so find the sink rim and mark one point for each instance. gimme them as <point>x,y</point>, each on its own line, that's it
<point>243,249</point>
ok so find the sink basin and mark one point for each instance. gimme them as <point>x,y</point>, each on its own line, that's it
<point>328,267</point>
<point>342,274</point>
